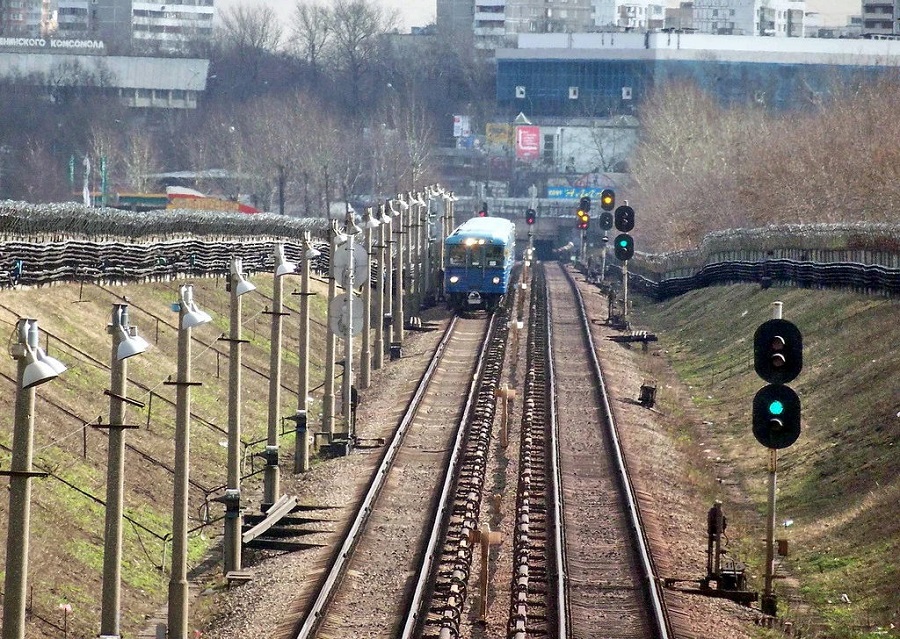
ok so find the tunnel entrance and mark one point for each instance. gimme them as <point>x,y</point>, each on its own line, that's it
<point>543,250</point>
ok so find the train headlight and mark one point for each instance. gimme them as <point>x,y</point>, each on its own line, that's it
<point>496,280</point>
<point>454,279</point>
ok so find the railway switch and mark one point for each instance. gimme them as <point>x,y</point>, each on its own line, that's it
<point>725,577</point>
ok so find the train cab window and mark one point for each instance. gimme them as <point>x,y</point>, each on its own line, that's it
<point>477,256</point>
<point>457,255</point>
<point>493,255</point>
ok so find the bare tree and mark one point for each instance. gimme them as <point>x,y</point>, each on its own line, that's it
<point>140,160</point>
<point>357,27</point>
<point>415,140</point>
<point>249,29</point>
<point>246,43</point>
<point>40,176</point>
<point>311,32</point>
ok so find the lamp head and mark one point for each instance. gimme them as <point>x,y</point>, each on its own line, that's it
<point>370,221</point>
<point>240,284</point>
<point>131,343</point>
<point>282,266</point>
<point>36,372</point>
<point>350,227</point>
<point>191,315</point>
<point>39,367</point>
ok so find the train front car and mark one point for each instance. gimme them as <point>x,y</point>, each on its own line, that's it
<point>478,263</point>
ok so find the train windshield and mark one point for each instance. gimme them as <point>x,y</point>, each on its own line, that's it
<point>493,255</point>
<point>457,255</point>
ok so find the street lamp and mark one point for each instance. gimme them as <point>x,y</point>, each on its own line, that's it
<point>301,443</point>
<point>399,258</point>
<point>125,343</point>
<point>370,222</point>
<point>237,286</point>
<point>34,367</point>
<point>350,231</point>
<point>190,316</point>
<point>271,475</point>
<point>381,288</point>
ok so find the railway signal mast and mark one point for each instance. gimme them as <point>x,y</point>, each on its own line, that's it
<point>584,219</point>
<point>777,359</point>
<point>623,245</point>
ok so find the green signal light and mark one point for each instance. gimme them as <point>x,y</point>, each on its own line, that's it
<point>623,243</point>
<point>776,408</point>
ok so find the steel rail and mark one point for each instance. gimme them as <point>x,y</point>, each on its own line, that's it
<point>423,581</point>
<point>562,578</point>
<point>316,612</point>
<point>660,616</point>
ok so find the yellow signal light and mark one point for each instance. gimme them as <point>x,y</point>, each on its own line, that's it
<point>607,199</point>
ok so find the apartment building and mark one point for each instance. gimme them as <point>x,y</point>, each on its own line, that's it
<point>125,26</point>
<point>488,25</point>
<point>25,18</point>
<point>881,17</point>
<point>776,18</point>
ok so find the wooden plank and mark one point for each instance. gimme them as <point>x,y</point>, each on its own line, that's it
<point>278,510</point>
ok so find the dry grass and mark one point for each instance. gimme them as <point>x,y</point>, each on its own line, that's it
<point>701,167</point>
<point>840,483</point>
<point>67,527</point>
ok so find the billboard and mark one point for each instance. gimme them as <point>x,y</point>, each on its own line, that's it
<point>498,137</point>
<point>528,142</point>
<point>462,126</point>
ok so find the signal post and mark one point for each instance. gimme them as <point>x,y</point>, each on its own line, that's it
<point>778,359</point>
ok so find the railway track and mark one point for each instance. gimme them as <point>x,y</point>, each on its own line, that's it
<point>581,563</point>
<point>372,580</point>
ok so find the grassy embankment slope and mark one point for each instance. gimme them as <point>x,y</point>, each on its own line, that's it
<point>67,526</point>
<point>840,483</point>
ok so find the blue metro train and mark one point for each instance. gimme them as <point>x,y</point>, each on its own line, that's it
<point>478,260</point>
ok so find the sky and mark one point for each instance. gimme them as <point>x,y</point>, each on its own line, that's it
<point>417,13</point>
<point>413,13</point>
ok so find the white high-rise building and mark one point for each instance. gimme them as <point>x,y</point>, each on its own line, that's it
<point>124,25</point>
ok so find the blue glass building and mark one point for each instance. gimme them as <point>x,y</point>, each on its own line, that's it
<point>604,74</point>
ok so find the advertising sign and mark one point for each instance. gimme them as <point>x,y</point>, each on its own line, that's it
<point>573,192</point>
<point>528,142</point>
<point>461,126</point>
<point>498,137</point>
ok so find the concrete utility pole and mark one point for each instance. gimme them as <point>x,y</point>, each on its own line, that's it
<point>33,368</point>
<point>381,251</point>
<point>272,475</point>
<point>330,345</point>
<point>350,233</point>
<point>237,287</point>
<point>301,456</point>
<point>415,253</point>
<point>390,265</point>
<point>189,316</point>
<point>124,345</point>
<point>365,355</point>
<point>399,265</point>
